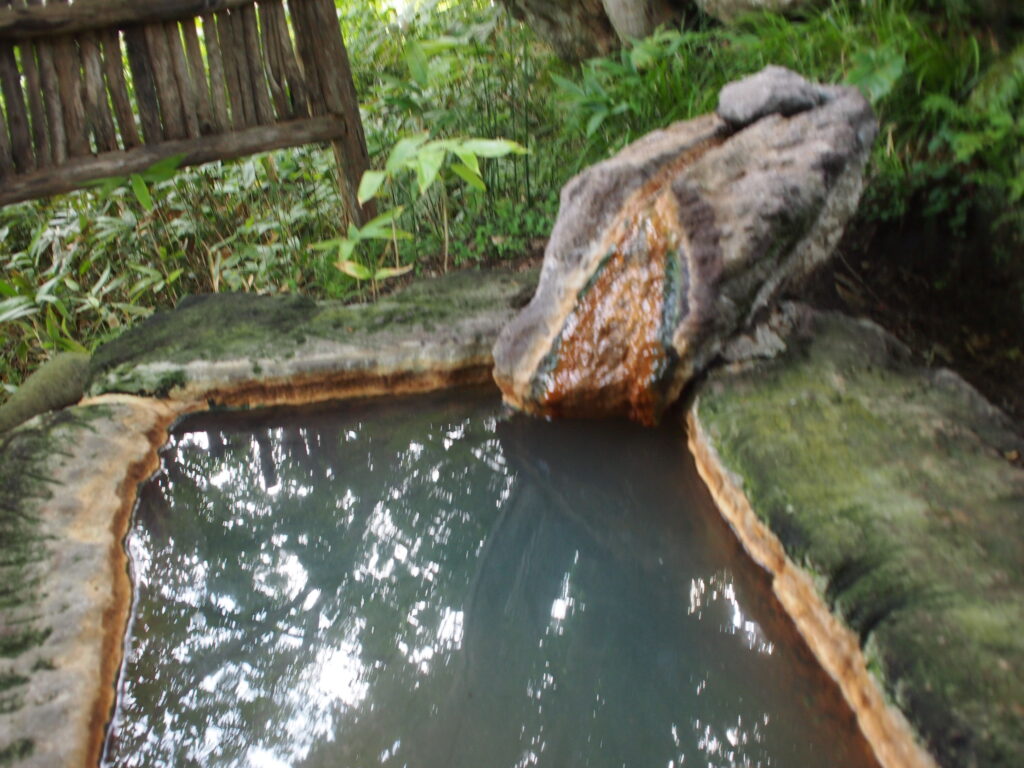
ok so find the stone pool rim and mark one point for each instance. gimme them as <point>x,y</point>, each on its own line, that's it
<point>438,353</point>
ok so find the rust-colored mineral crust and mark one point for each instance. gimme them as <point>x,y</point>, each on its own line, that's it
<point>610,348</point>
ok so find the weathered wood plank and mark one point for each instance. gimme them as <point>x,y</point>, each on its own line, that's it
<point>272,55</point>
<point>113,66</point>
<point>69,83</point>
<point>242,70</point>
<point>166,85</point>
<point>197,72</point>
<point>51,20</point>
<point>232,81</point>
<point>306,44</point>
<point>257,66</point>
<point>194,151</point>
<point>218,92</point>
<point>96,107</point>
<point>341,99</point>
<point>181,77</point>
<point>6,159</point>
<point>297,90</point>
<point>17,114</point>
<point>51,98</point>
<point>36,107</point>
<point>144,84</point>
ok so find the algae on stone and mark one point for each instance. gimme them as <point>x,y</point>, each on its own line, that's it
<point>63,477</point>
<point>238,337</point>
<point>891,484</point>
<point>58,383</point>
<point>25,458</point>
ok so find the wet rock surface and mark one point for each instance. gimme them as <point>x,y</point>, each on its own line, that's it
<point>773,90</point>
<point>239,349</point>
<point>901,491</point>
<point>663,252</point>
<point>68,478</point>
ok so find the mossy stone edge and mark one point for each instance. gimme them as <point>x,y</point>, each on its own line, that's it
<point>62,480</point>
<point>220,341</point>
<point>901,491</point>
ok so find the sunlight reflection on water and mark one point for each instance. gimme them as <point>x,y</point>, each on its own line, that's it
<point>431,583</point>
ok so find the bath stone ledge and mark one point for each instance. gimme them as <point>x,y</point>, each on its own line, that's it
<point>67,486</point>
<point>242,349</point>
<point>887,501</point>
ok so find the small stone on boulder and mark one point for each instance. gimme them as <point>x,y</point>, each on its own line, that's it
<point>773,90</point>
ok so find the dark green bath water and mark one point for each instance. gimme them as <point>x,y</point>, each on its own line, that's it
<point>432,583</point>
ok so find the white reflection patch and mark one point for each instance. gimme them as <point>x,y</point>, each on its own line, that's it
<point>220,479</point>
<point>449,633</point>
<point>198,439</point>
<point>341,675</point>
<point>258,757</point>
<point>311,599</point>
<point>561,606</point>
<point>719,589</point>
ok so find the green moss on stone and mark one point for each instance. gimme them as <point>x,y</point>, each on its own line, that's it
<point>150,358</point>
<point>18,749</point>
<point>27,455</point>
<point>10,695</point>
<point>888,483</point>
<point>204,326</point>
<point>9,680</point>
<point>58,383</point>
<point>16,642</point>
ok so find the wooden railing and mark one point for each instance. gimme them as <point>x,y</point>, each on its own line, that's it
<point>205,79</point>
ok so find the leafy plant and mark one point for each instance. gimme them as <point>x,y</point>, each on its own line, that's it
<point>430,160</point>
<point>943,77</point>
<point>380,228</point>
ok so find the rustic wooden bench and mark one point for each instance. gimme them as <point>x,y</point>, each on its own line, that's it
<point>99,88</point>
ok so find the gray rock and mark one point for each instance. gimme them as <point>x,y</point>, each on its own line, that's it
<point>663,252</point>
<point>68,479</point>
<point>773,90</point>
<point>67,485</point>
<point>730,10</point>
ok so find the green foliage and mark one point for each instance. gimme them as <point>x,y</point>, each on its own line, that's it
<point>945,77</point>
<point>380,228</point>
<point>949,101</point>
<point>76,269</point>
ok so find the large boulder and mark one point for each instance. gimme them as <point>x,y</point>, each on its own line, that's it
<point>58,383</point>
<point>665,251</point>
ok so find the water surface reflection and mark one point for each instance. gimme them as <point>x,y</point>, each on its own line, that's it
<point>431,583</point>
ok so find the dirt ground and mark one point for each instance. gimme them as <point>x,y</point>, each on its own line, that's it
<point>957,310</point>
